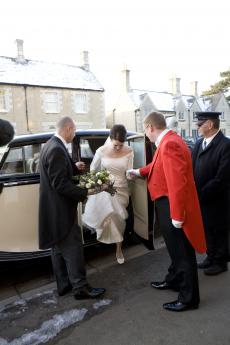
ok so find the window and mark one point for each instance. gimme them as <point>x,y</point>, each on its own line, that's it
<point>80,103</point>
<point>194,134</point>
<point>183,133</point>
<point>138,146</point>
<point>88,147</point>
<point>2,101</point>
<point>51,102</point>
<point>181,115</point>
<point>22,160</point>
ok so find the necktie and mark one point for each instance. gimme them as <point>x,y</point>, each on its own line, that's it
<point>204,144</point>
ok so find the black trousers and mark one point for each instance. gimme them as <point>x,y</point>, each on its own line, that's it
<point>68,261</point>
<point>182,273</point>
<point>216,236</point>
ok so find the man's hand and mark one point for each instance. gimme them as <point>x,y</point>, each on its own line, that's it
<point>80,166</point>
<point>132,174</point>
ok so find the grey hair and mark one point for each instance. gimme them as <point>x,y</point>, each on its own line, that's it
<point>66,120</point>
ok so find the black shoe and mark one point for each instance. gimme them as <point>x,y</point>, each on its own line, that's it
<point>179,306</point>
<point>64,291</point>
<point>163,286</point>
<point>205,264</point>
<point>216,269</point>
<point>88,292</point>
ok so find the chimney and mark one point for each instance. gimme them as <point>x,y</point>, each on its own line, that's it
<point>175,86</point>
<point>85,60</point>
<point>193,88</point>
<point>126,79</point>
<point>20,57</point>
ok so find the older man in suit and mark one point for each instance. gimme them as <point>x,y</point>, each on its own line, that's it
<point>171,186</point>
<point>211,164</point>
<point>58,227</point>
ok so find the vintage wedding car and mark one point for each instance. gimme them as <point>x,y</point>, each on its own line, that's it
<point>19,191</point>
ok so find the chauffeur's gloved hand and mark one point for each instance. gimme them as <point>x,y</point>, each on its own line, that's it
<point>177,223</point>
<point>132,174</point>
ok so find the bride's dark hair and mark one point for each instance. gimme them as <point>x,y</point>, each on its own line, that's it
<point>118,132</point>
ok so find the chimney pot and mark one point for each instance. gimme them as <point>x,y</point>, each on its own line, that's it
<point>20,56</point>
<point>193,88</point>
<point>126,79</point>
<point>85,60</point>
<point>175,86</point>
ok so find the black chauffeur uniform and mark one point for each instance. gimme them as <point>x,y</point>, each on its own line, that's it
<point>212,177</point>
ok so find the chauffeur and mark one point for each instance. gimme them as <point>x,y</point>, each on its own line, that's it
<point>211,164</point>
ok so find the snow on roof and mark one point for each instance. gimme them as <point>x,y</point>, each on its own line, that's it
<point>47,74</point>
<point>136,96</point>
<point>163,101</point>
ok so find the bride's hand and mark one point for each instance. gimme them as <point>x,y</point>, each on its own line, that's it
<point>104,187</point>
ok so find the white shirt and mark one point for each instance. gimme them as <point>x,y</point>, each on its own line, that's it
<point>62,139</point>
<point>160,137</point>
<point>208,140</point>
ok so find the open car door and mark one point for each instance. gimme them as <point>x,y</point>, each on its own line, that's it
<point>143,208</point>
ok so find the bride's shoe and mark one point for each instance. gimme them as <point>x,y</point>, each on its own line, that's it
<point>120,259</point>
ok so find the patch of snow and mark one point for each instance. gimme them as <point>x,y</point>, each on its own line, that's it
<point>102,303</point>
<point>49,329</point>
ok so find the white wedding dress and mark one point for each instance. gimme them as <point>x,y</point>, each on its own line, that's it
<point>106,213</point>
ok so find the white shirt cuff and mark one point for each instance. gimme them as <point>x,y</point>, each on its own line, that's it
<point>177,224</point>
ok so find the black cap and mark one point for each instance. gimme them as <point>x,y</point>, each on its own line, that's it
<point>207,115</point>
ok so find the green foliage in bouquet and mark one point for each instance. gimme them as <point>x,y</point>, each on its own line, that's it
<point>96,180</point>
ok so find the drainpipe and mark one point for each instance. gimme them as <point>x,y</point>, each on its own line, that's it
<point>189,123</point>
<point>26,108</point>
<point>114,116</point>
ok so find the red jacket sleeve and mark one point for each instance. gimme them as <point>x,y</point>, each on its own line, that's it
<point>144,171</point>
<point>175,169</point>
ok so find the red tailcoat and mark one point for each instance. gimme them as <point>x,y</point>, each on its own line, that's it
<point>170,174</point>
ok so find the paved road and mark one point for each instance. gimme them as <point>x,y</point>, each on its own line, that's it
<point>130,313</point>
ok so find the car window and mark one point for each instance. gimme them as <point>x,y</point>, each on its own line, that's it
<point>22,160</point>
<point>32,155</point>
<point>14,162</point>
<point>138,147</point>
<point>88,147</point>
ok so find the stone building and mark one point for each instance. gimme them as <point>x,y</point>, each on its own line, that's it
<point>134,104</point>
<point>35,94</point>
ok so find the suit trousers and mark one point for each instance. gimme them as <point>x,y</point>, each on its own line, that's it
<point>68,261</point>
<point>182,273</point>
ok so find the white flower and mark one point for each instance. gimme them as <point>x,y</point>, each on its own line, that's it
<point>88,185</point>
<point>99,182</point>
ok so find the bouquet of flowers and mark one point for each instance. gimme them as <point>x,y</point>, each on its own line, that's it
<point>100,181</point>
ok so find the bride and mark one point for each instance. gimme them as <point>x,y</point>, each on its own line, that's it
<point>104,212</point>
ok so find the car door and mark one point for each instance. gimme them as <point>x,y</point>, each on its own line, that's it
<point>143,208</point>
<point>19,195</point>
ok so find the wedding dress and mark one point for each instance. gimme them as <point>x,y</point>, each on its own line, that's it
<point>106,213</point>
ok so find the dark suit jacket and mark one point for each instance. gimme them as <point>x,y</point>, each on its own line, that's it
<point>59,196</point>
<point>212,177</point>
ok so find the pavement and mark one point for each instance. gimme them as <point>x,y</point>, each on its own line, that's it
<point>130,312</point>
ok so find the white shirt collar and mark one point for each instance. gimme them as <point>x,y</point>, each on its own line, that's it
<point>208,140</point>
<point>159,138</point>
<point>62,139</point>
